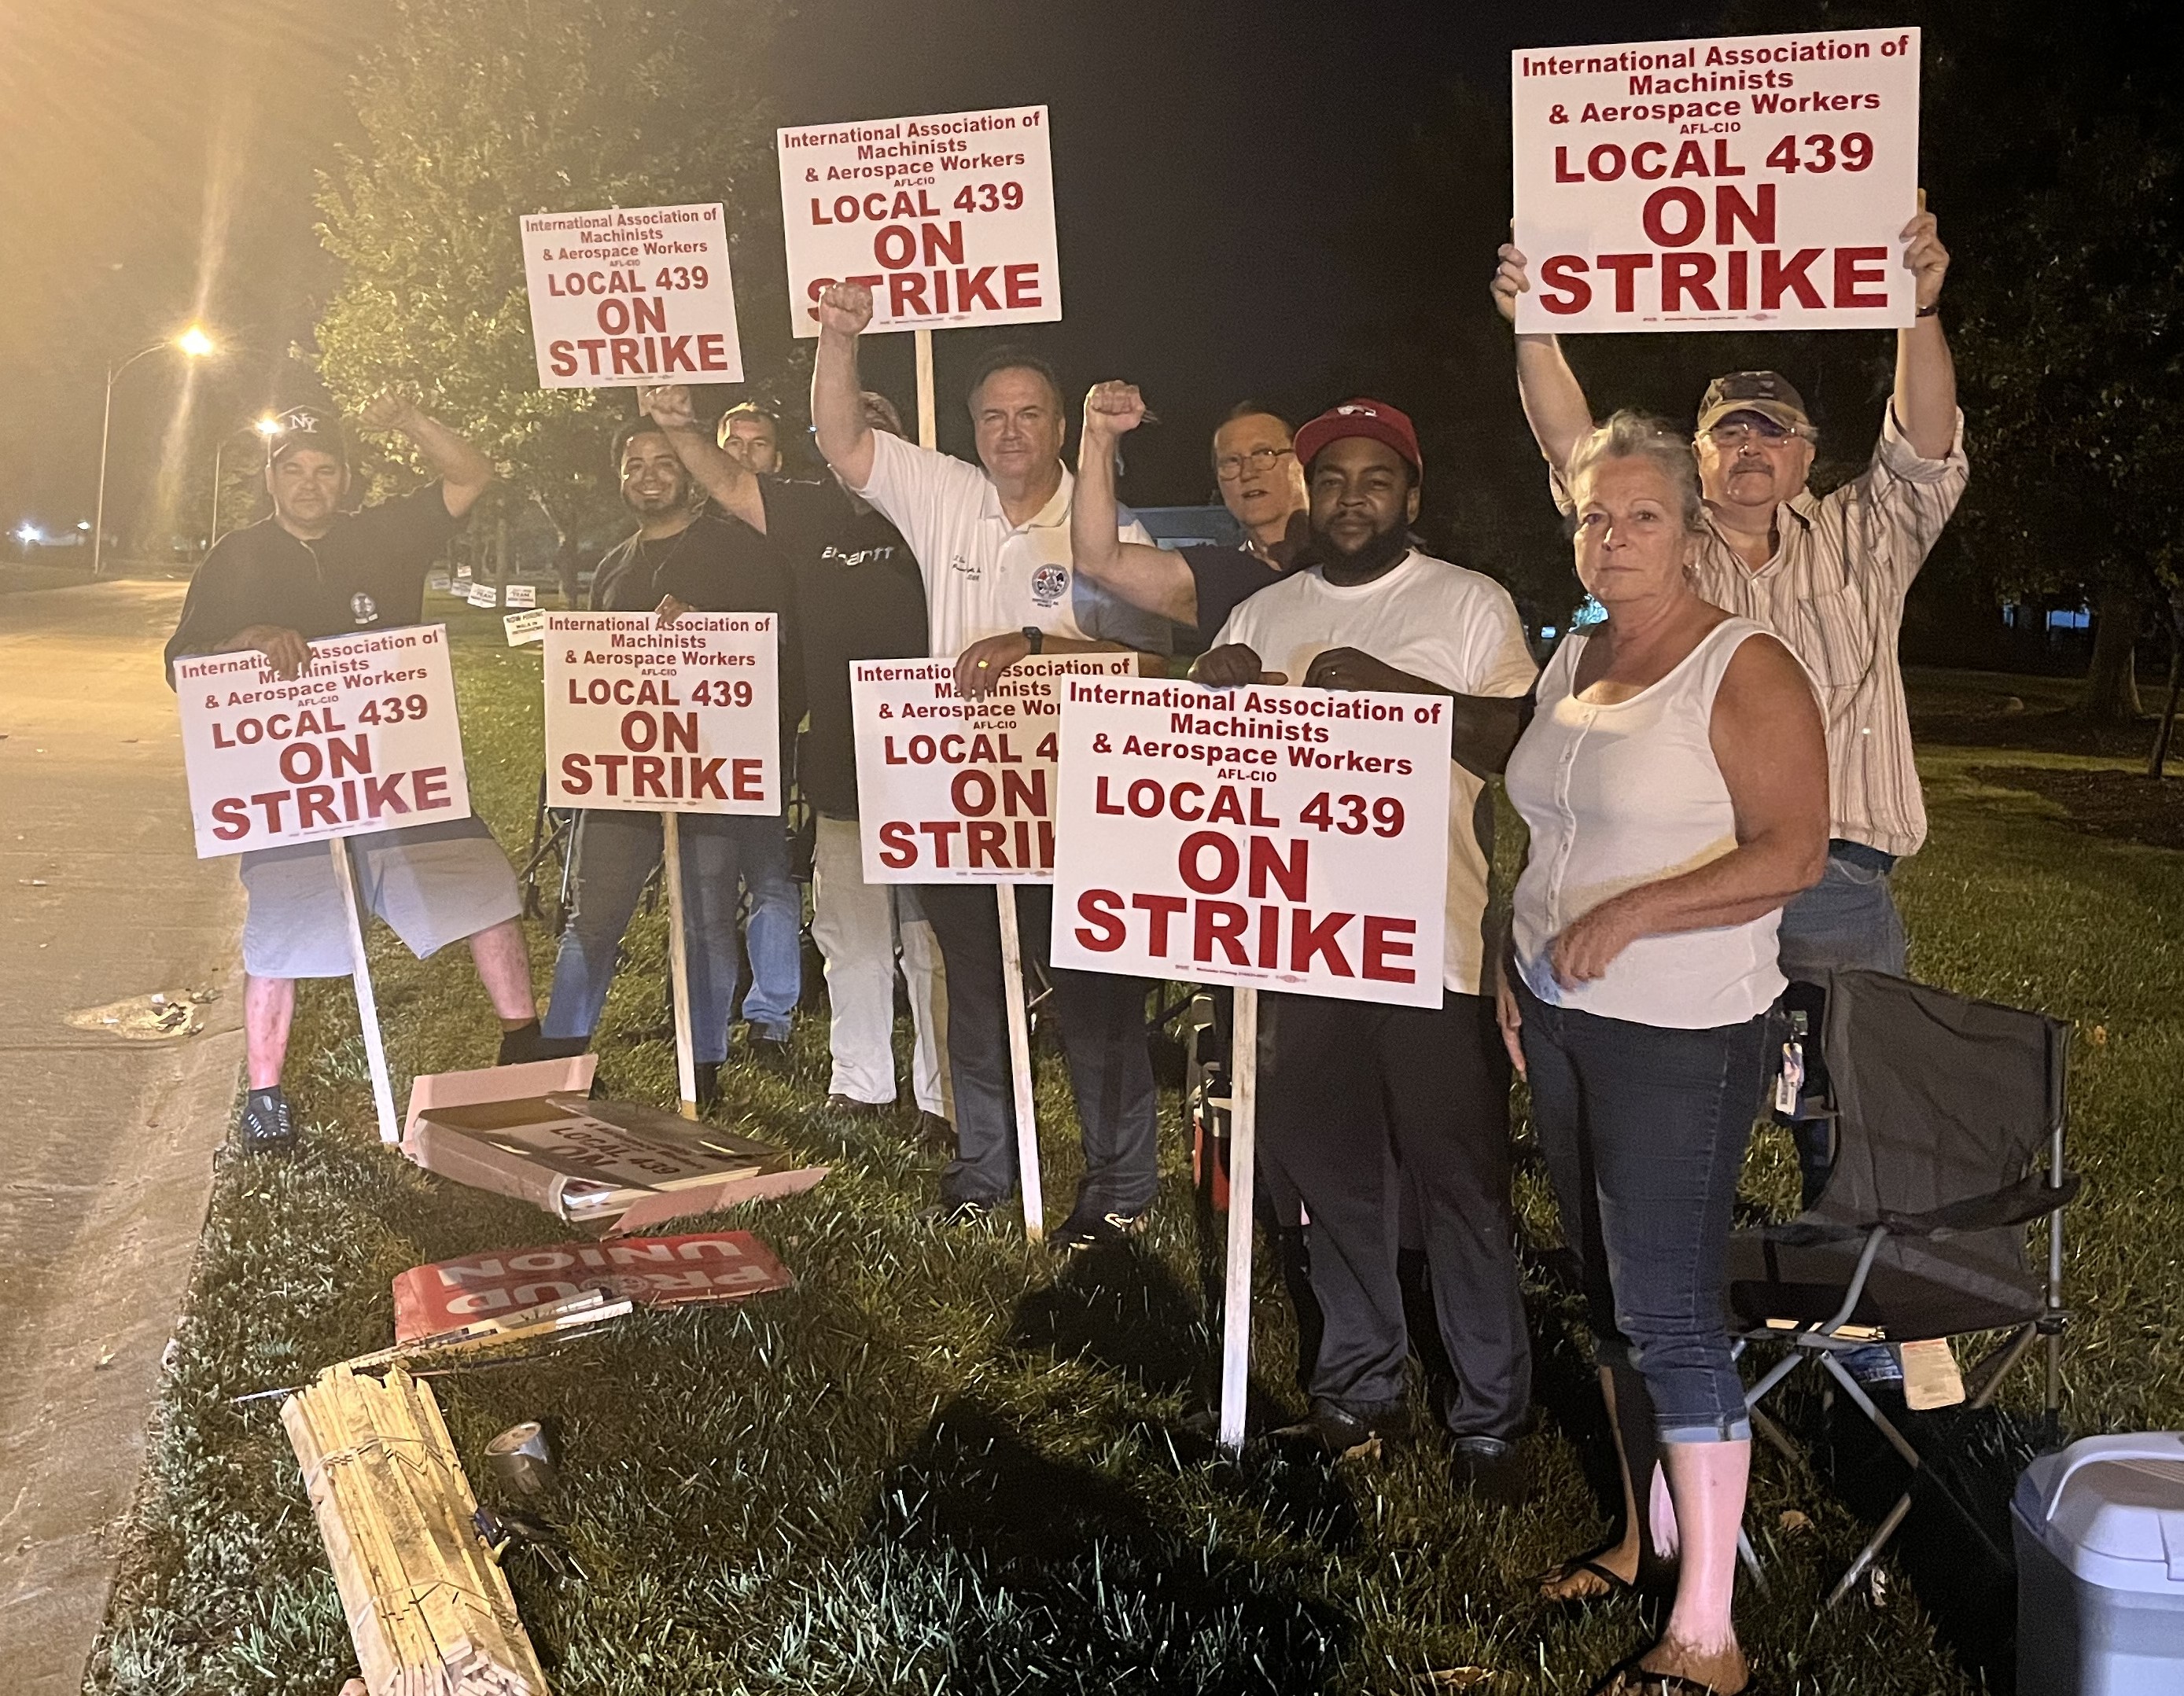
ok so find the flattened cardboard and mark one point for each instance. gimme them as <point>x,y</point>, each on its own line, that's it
<point>657,1272</point>
<point>530,1131</point>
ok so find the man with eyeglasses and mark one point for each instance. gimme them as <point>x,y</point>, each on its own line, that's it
<point>1827,573</point>
<point>1255,465</point>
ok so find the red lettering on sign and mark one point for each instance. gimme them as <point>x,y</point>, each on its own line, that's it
<point>1103,930</point>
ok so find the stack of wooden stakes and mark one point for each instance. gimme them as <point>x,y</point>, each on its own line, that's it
<point>428,1609</point>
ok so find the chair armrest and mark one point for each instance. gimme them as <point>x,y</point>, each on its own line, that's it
<point>2016,1204</point>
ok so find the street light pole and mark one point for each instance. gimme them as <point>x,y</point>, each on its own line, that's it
<point>192,341</point>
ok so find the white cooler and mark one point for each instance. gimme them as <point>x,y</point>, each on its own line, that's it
<point>2100,1530</point>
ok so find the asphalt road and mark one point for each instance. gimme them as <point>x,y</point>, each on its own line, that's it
<point>106,1144</point>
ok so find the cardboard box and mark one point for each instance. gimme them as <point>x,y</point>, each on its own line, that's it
<point>530,1131</point>
<point>652,1271</point>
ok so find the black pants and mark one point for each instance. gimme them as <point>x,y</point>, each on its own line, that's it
<point>1355,1098</point>
<point>1103,1029</point>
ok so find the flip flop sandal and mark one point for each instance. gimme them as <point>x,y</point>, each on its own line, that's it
<point>1655,1579</point>
<point>1629,1679</point>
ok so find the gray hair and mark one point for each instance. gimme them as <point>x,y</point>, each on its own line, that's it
<point>1640,436</point>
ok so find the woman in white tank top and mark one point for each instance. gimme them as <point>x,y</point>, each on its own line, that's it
<point>1674,778</point>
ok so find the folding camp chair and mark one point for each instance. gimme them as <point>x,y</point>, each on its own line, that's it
<point>1942,1107</point>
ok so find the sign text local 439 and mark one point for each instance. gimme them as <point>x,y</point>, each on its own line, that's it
<point>1278,838</point>
<point>366,740</point>
<point>631,294</point>
<point>954,790</point>
<point>1743,182</point>
<point>949,220</point>
<point>646,717</point>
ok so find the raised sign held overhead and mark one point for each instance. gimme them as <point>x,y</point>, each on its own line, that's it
<point>1734,183</point>
<point>630,295</point>
<point>949,220</point>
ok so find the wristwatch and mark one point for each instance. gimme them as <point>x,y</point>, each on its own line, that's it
<point>1036,637</point>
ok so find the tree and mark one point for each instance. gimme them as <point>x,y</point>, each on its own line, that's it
<point>475,112</point>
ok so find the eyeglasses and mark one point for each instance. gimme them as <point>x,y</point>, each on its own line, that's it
<point>1230,467</point>
<point>1769,434</point>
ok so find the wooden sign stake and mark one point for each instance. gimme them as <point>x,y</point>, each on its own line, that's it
<point>1243,1172</point>
<point>678,963</point>
<point>367,1004</point>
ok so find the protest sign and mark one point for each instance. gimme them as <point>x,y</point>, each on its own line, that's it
<point>484,595</point>
<point>646,717</point>
<point>524,595</point>
<point>952,789</point>
<point>1289,839</point>
<point>949,220</point>
<point>1733,183</point>
<point>366,740</point>
<point>522,627</point>
<point>652,1271</point>
<point>632,295</point>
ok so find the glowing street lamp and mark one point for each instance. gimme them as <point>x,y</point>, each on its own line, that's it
<point>28,535</point>
<point>267,427</point>
<point>192,344</point>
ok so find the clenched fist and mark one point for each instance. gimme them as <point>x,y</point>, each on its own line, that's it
<point>1113,408</point>
<point>845,308</point>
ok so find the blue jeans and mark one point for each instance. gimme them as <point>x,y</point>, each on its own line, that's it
<point>1845,922</point>
<point>615,852</point>
<point>1644,1128</point>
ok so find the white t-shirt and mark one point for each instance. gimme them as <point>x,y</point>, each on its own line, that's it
<point>1434,621</point>
<point>984,576</point>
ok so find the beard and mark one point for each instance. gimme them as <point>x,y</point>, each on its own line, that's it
<point>1383,551</point>
<point>675,500</point>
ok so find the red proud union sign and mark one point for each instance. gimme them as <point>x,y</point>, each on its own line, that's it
<point>1745,182</point>
<point>956,791</point>
<point>366,740</point>
<point>1284,839</point>
<point>652,718</point>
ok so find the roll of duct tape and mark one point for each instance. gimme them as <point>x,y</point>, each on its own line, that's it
<point>521,1459</point>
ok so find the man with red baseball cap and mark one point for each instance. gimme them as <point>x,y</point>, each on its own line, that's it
<point>1358,1099</point>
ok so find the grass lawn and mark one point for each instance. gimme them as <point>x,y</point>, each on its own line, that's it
<point>937,1466</point>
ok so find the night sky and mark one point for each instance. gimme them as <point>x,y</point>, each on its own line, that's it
<point>1212,163</point>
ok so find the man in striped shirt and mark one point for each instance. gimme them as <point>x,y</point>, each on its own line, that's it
<point>1827,573</point>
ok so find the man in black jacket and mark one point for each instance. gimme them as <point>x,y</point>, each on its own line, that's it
<point>312,571</point>
<point>684,558</point>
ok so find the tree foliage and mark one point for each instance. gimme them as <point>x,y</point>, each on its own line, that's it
<point>475,112</point>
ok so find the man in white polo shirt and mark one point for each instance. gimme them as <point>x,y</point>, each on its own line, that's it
<point>992,542</point>
<point>1356,1096</point>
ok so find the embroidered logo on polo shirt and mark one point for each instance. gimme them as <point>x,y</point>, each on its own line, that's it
<point>365,609</point>
<point>1048,583</point>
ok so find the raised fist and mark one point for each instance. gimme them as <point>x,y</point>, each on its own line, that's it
<point>387,410</point>
<point>668,405</point>
<point>1510,281</point>
<point>1112,408</point>
<point>845,308</point>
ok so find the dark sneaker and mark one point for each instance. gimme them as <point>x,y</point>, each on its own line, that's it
<point>1341,1432</point>
<point>856,1109</point>
<point>771,1054</point>
<point>949,1215</point>
<point>935,1132</point>
<point>708,1077</point>
<point>1082,1231</point>
<point>520,1045</point>
<point>1491,1469</point>
<point>266,1129</point>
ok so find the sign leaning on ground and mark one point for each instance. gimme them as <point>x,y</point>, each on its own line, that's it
<point>1284,839</point>
<point>652,718</point>
<point>948,219</point>
<point>1733,183</point>
<point>951,790</point>
<point>635,294</point>
<point>366,740</point>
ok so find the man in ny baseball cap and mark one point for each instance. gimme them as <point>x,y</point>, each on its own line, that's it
<point>306,427</point>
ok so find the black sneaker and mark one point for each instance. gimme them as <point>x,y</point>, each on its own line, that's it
<point>771,1054</point>
<point>933,1132</point>
<point>519,1046</point>
<point>707,1076</point>
<point>1082,1231</point>
<point>266,1129</point>
<point>949,1215</point>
